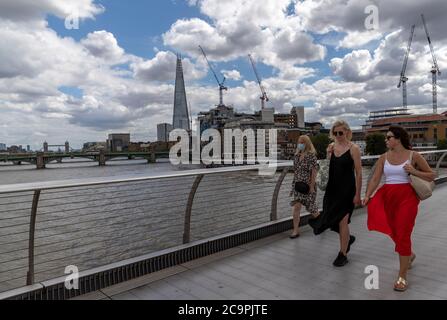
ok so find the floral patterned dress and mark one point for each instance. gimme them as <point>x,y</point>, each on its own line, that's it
<point>303,173</point>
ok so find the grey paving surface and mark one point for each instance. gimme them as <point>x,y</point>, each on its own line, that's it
<point>280,268</point>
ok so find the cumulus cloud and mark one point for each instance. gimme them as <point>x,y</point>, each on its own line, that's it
<point>163,68</point>
<point>263,28</point>
<point>297,47</point>
<point>355,66</point>
<point>356,39</point>
<point>187,35</point>
<point>103,44</point>
<point>232,74</point>
<point>30,11</point>
<point>348,16</point>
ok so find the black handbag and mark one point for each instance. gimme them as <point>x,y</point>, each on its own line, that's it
<point>302,187</point>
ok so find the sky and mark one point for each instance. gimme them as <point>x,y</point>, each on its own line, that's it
<point>79,70</point>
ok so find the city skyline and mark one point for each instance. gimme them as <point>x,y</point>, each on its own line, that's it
<point>116,72</point>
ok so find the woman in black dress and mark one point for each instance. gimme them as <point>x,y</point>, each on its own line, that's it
<point>343,189</point>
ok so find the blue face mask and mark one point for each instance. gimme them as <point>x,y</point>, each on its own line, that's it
<point>301,146</point>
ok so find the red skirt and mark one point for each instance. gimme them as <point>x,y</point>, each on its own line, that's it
<point>393,211</point>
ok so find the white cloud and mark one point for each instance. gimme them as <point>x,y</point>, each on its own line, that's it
<point>232,74</point>
<point>163,68</point>
<point>262,28</point>
<point>187,35</point>
<point>297,47</point>
<point>357,39</point>
<point>103,44</point>
<point>355,66</point>
<point>348,16</point>
<point>32,11</point>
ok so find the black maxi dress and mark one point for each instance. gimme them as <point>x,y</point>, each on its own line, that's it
<point>338,200</point>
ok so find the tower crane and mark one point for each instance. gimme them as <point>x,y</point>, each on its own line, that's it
<point>220,83</point>
<point>403,79</point>
<point>434,69</point>
<point>264,98</point>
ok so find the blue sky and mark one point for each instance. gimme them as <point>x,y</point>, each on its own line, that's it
<point>136,24</point>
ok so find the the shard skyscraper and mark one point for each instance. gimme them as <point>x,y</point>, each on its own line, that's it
<point>181,114</point>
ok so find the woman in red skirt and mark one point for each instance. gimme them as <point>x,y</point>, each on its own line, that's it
<point>394,207</point>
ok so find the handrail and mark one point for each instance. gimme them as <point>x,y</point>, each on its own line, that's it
<point>74,183</point>
<point>199,174</point>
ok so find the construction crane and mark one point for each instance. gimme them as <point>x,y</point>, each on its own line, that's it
<point>264,97</point>
<point>434,69</point>
<point>220,83</point>
<point>403,79</point>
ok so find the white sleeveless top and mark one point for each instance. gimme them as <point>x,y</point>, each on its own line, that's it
<point>395,174</point>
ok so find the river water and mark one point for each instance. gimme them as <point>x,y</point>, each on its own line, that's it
<point>78,169</point>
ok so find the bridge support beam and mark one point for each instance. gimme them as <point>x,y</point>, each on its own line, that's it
<point>40,161</point>
<point>102,158</point>
<point>152,158</point>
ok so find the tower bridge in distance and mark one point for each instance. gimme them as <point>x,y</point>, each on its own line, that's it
<point>66,147</point>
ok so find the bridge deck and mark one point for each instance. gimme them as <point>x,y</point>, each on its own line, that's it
<point>280,268</point>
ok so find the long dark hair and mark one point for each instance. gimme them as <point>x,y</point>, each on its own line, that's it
<point>401,134</point>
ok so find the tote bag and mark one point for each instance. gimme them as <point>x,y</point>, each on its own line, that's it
<point>423,188</point>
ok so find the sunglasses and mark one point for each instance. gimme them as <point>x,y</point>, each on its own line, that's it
<point>389,137</point>
<point>338,133</point>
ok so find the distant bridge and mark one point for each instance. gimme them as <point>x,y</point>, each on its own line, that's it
<point>41,159</point>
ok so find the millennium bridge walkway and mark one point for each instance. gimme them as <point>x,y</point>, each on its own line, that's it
<point>200,234</point>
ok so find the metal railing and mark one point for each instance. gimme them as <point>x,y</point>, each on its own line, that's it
<point>93,222</point>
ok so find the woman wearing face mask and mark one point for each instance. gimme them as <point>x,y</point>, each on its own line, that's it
<point>343,189</point>
<point>394,207</point>
<point>305,172</point>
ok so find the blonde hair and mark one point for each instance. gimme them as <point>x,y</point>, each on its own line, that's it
<point>345,125</point>
<point>308,145</point>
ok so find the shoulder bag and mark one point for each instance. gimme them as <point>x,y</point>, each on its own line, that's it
<point>423,188</point>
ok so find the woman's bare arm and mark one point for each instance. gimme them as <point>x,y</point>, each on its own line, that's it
<point>423,169</point>
<point>377,176</point>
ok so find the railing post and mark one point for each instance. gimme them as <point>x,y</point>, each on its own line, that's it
<point>274,212</point>
<point>32,230</point>
<point>187,225</point>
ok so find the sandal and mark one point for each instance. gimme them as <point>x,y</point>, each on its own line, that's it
<point>293,236</point>
<point>413,256</point>
<point>400,285</point>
